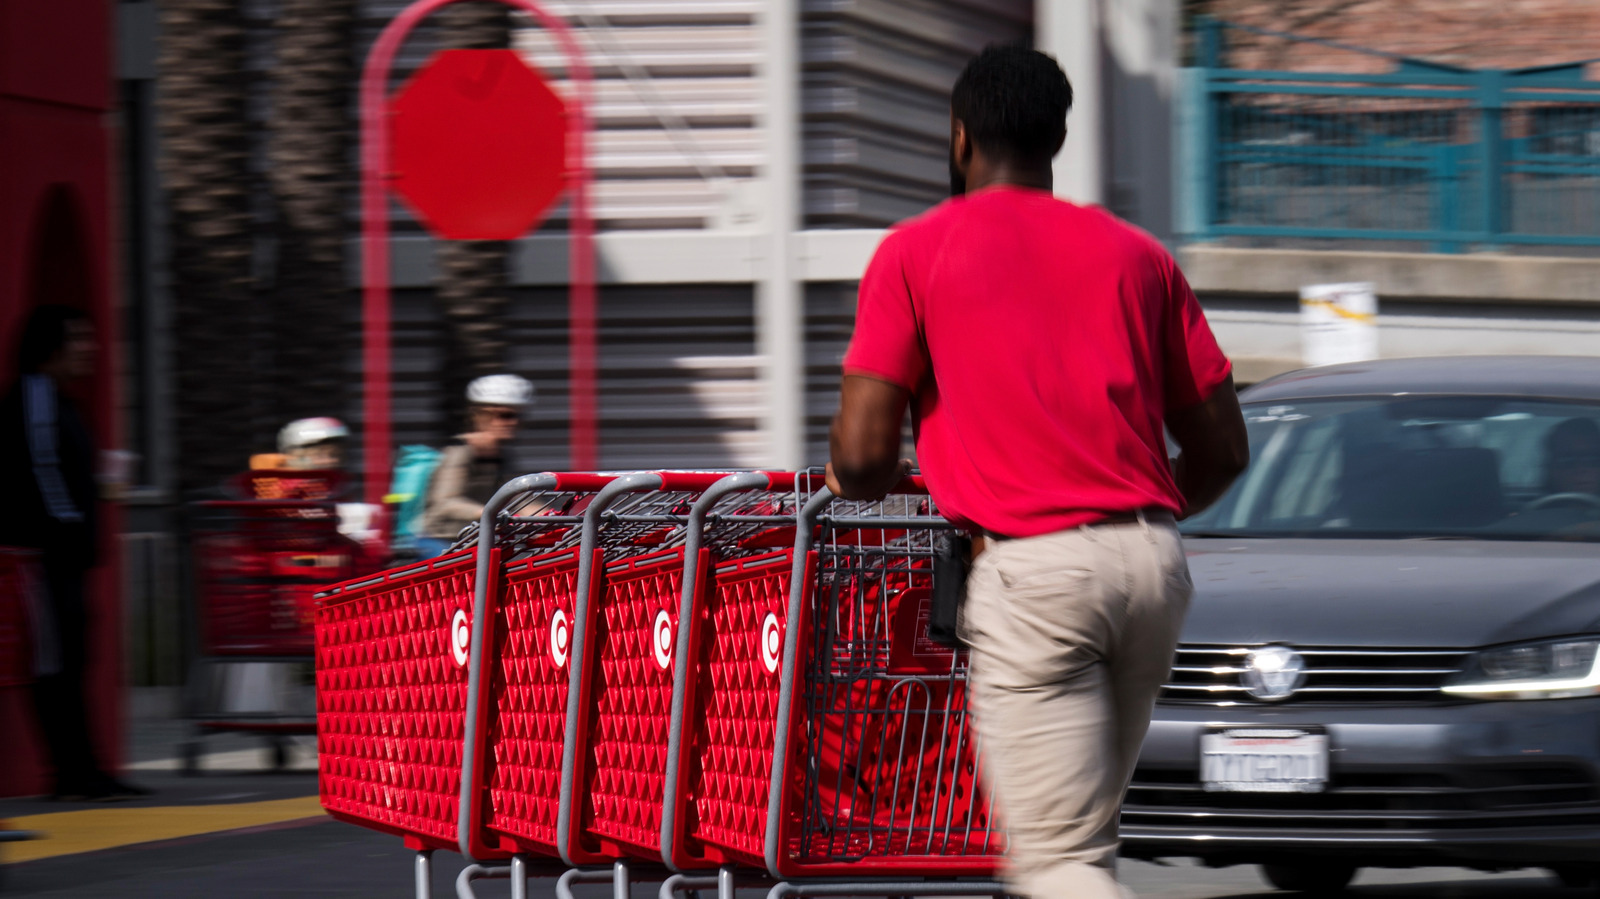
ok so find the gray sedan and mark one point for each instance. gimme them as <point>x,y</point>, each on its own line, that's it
<point>1391,658</point>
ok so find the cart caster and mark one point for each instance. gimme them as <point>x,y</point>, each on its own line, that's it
<point>189,753</point>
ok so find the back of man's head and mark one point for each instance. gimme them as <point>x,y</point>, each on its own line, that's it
<point>1013,101</point>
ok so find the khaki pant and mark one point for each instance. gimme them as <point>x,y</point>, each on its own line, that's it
<point>1072,635</point>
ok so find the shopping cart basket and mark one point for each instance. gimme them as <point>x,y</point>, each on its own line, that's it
<point>257,566</point>
<point>400,663</point>
<point>735,595</point>
<point>258,563</point>
<point>874,766</point>
<point>582,692</point>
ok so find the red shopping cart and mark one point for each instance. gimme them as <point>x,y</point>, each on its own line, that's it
<point>257,565</point>
<point>663,667</point>
<point>874,766</point>
<point>582,691</point>
<point>735,596</point>
<point>401,659</point>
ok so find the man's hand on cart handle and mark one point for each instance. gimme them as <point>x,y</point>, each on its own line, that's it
<point>903,472</point>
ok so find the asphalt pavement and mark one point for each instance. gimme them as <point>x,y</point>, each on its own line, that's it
<point>242,830</point>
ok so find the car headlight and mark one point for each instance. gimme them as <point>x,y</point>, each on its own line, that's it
<point>1549,669</point>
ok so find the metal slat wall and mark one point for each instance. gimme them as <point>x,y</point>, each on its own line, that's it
<point>876,98</point>
<point>830,319</point>
<point>677,382</point>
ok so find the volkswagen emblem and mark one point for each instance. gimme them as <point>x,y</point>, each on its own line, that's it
<point>1273,672</point>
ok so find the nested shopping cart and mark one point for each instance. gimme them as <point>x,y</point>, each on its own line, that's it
<point>875,767</point>
<point>258,563</point>
<point>578,765</point>
<point>664,670</point>
<point>402,658</point>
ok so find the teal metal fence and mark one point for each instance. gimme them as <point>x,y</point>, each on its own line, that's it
<point>1455,158</point>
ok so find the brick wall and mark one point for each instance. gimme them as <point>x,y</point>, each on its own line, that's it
<point>1474,34</point>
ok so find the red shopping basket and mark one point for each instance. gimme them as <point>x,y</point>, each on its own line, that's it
<point>878,770</point>
<point>391,698</point>
<point>606,778</point>
<point>534,628</point>
<point>726,769</point>
<point>393,656</point>
<point>258,565</point>
<point>18,582</point>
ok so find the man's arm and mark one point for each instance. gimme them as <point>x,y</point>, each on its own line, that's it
<point>1213,447</point>
<point>865,439</point>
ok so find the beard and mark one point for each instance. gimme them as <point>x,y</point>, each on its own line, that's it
<point>958,181</point>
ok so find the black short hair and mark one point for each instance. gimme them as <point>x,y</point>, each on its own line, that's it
<point>1014,101</point>
<point>44,335</point>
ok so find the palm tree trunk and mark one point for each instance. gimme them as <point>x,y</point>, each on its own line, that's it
<point>205,172</point>
<point>310,171</point>
<point>472,283</point>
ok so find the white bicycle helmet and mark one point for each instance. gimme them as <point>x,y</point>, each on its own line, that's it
<point>500,390</point>
<point>309,432</point>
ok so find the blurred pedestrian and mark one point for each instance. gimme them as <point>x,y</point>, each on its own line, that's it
<point>47,459</point>
<point>1042,347</point>
<point>470,471</point>
<point>313,443</point>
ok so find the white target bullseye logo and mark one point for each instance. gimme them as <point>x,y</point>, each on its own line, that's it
<point>661,641</point>
<point>460,637</point>
<point>560,637</point>
<point>771,643</point>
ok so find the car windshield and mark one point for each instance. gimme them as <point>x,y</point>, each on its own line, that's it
<point>1443,467</point>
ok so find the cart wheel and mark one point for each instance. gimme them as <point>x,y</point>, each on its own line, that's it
<point>190,754</point>
<point>280,755</point>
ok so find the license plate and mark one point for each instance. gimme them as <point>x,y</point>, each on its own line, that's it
<point>1264,760</point>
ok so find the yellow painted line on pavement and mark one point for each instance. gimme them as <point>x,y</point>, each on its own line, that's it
<point>90,830</point>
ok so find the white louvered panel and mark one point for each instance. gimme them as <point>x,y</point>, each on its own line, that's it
<point>640,150</point>
<point>693,47</point>
<point>717,101</point>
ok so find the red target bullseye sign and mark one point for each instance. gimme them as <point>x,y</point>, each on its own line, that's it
<point>661,639</point>
<point>771,643</point>
<point>460,637</point>
<point>560,637</point>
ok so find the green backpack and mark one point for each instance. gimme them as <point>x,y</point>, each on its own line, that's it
<point>408,491</point>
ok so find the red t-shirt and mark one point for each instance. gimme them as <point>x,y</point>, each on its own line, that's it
<point>1044,344</point>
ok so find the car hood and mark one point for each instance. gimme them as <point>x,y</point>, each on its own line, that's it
<point>1422,593</point>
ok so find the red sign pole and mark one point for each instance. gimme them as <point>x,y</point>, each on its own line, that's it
<point>375,241</point>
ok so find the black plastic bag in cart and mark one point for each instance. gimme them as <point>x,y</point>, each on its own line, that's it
<point>952,560</point>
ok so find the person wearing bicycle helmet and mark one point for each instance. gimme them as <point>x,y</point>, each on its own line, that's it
<point>313,443</point>
<point>472,469</point>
